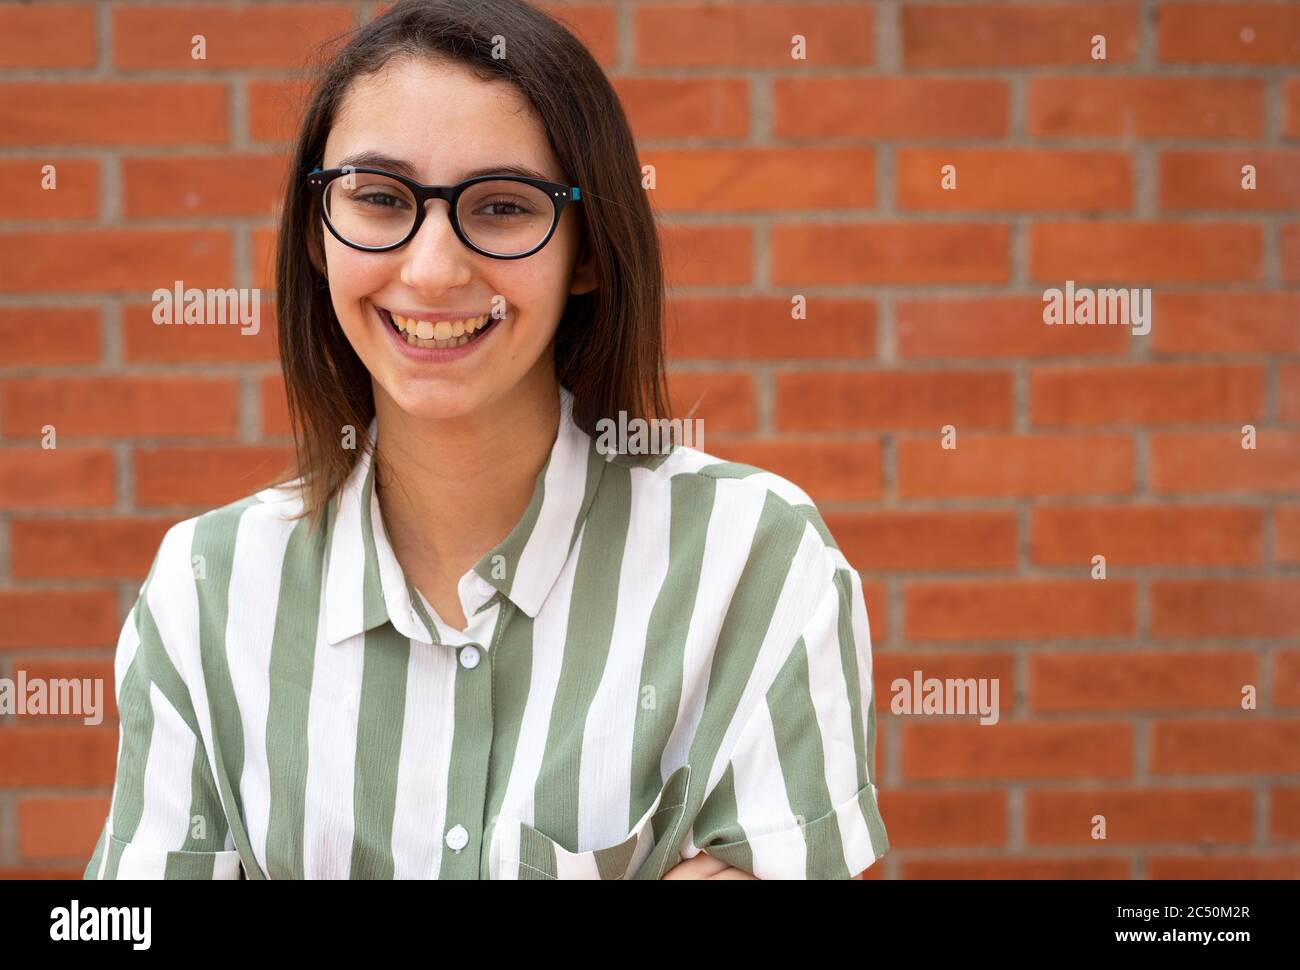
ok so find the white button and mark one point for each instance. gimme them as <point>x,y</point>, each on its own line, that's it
<point>469,657</point>
<point>457,838</point>
<point>483,586</point>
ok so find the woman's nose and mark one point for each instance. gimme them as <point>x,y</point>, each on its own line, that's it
<point>435,258</point>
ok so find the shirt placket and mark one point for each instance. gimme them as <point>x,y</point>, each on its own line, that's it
<point>463,849</point>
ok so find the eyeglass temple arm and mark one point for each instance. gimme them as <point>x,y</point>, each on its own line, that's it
<point>575,193</point>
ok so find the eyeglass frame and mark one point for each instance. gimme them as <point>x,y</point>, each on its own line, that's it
<point>559,193</point>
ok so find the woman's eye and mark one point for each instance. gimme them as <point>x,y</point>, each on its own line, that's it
<point>380,200</point>
<point>518,209</point>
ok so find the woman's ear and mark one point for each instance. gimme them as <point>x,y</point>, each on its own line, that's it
<point>316,254</point>
<point>584,270</point>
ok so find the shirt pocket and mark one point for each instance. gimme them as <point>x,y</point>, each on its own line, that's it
<point>128,860</point>
<point>517,850</point>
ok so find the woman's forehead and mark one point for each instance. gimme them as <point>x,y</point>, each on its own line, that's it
<point>441,118</point>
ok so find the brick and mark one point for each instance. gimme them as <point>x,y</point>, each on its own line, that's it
<point>121,406</point>
<point>275,108</point>
<point>751,35</point>
<point>1207,180</point>
<point>113,113</point>
<point>1084,396</point>
<point>1289,252</point>
<point>1216,462</point>
<point>1225,607</point>
<point>760,328</point>
<point>120,548</point>
<point>897,540</point>
<point>708,255</point>
<point>594,24</point>
<point>80,669</point>
<point>268,35</point>
<point>46,478</point>
<point>1145,252</point>
<point>58,618</point>
<point>1226,323</point>
<point>1019,609</point>
<point>890,666</point>
<point>225,185</point>
<point>1288,393</point>
<point>1127,680</point>
<point>1017,869</point>
<point>75,194</point>
<point>112,260</point>
<point>263,257</point>
<point>685,107</point>
<point>148,342</point>
<point>275,407</point>
<point>889,107</point>
<point>53,37</point>
<point>1014,180</point>
<point>844,253</point>
<point>1286,678</point>
<point>1140,816</point>
<point>829,471</point>
<point>1286,530</point>
<point>1257,745</point>
<point>999,466</point>
<point>934,819</point>
<point>60,828</point>
<point>994,326</point>
<point>49,335</point>
<point>57,757</point>
<point>1145,107</point>
<point>1006,35</point>
<point>1285,814</point>
<point>1016,750</point>
<point>1146,535</point>
<point>1222,33</point>
<point>723,400</point>
<point>1291,97</point>
<point>209,477</point>
<point>762,180</point>
<point>41,872</point>
<point>849,400</point>
<point>1272,866</point>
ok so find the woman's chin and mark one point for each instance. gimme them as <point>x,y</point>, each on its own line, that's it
<point>427,404</point>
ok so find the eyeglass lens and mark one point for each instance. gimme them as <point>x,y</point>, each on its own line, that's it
<point>502,217</point>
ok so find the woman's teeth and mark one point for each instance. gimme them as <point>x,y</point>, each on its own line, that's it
<point>443,334</point>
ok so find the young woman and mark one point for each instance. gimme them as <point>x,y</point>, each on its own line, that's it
<point>466,640</point>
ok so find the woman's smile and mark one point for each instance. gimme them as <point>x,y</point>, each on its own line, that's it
<point>447,340</point>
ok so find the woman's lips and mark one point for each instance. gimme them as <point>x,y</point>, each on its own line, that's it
<point>429,350</point>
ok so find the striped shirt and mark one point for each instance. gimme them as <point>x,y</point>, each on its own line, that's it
<point>667,654</point>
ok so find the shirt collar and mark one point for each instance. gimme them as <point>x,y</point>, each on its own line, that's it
<point>365,585</point>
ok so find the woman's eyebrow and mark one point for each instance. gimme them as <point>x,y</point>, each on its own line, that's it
<point>369,159</point>
<point>506,170</point>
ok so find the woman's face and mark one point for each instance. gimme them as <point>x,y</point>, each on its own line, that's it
<point>445,124</point>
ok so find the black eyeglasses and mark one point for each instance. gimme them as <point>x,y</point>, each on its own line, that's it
<point>502,216</point>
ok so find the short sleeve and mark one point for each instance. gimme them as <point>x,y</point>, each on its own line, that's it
<point>165,820</point>
<point>797,799</point>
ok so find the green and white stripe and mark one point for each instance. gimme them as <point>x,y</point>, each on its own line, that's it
<point>665,655</point>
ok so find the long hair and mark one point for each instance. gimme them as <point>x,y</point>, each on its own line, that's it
<point>609,342</point>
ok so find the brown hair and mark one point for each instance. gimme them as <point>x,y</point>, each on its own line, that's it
<point>609,342</point>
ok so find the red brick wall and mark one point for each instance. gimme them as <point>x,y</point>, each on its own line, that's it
<point>1120,697</point>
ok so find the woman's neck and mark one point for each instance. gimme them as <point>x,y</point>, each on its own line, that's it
<point>452,489</point>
